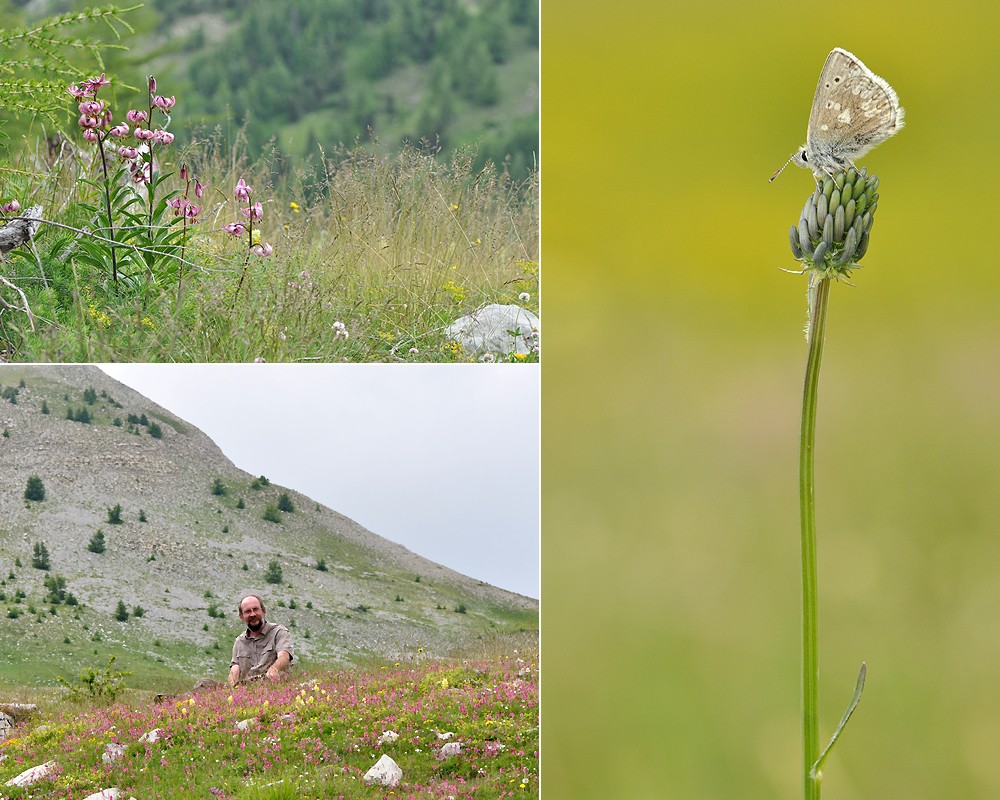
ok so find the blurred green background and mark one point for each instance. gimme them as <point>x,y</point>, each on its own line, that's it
<point>672,378</point>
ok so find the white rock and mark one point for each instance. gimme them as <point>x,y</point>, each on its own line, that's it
<point>388,737</point>
<point>487,330</point>
<point>386,772</point>
<point>104,794</point>
<point>451,749</point>
<point>152,736</point>
<point>245,724</point>
<point>112,752</point>
<point>6,723</point>
<point>443,735</point>
<point>33,775</point>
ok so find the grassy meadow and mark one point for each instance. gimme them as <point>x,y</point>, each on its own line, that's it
<point>313,736</point>
<point>672,390</point>
<point>373,257</point>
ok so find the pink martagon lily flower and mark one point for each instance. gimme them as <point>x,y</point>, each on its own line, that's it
<point>256,211</point>
<point>235,228</point>
<point>94,84</point>
<point>164,103</point>
<point>91,108</point>
<point>135,115</point>
<point>242,191</point>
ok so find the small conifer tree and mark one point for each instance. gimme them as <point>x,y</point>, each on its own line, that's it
<point>40,556</point>
<point>121,611</point>
<point>273,573</point>
<point>96,542</point>
<point>35,490</point>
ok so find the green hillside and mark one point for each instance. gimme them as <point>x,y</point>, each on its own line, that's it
<point>305,74</point>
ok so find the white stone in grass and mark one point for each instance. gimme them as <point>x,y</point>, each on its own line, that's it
<point>386,772</point>
<point>112,752</point>
<point>33,775</point>
<point>246,724</point>
<point>106,794</point>
<point>488,330</point>
<point>388,737</point>
<point>443,735</point>
<point>451,749</point>
<point>152,736</point>
<point>6,723</point>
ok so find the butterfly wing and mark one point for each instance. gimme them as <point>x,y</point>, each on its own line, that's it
<point>853,110</point>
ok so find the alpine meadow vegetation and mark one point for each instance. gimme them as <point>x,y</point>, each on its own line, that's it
<point>458,728</point>
<point>147,249</point>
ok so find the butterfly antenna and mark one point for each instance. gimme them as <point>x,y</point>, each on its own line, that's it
<point>782,167</point>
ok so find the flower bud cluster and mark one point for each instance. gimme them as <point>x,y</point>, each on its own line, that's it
<point>833,231</point>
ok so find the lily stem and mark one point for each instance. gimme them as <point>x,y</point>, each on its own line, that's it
<point>819,300</point>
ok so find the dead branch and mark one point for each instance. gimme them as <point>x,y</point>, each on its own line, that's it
<point>20,229</point>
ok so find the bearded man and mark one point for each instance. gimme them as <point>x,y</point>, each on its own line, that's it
<point>264,649</point>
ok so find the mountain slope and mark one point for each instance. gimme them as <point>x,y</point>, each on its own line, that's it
<point>196,551</point>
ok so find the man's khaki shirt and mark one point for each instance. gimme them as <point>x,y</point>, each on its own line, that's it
<point>255,656</point>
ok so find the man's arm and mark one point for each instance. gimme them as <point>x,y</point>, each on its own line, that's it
<point>234,674</point>
<point>280,665</point>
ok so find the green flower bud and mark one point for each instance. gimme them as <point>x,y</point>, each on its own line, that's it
<point>835,199</point>
<point>849,211</point>
<point>793,240</point>
<point>834,228</point>
<point>822,208</point>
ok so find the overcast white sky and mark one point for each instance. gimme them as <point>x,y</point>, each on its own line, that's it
<point>442,459</point>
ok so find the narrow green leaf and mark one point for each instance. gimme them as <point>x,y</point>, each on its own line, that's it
<point>816,773</point>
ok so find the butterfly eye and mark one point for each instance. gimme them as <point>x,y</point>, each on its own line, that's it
<point>804,156</point>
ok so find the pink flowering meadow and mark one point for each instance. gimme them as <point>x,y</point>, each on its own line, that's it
<point>318,734</point>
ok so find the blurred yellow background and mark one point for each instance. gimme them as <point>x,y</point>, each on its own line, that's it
<point>672,378</point>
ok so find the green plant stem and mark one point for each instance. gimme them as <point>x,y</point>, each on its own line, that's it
<point>819,300</point>
<point>107,205</point>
